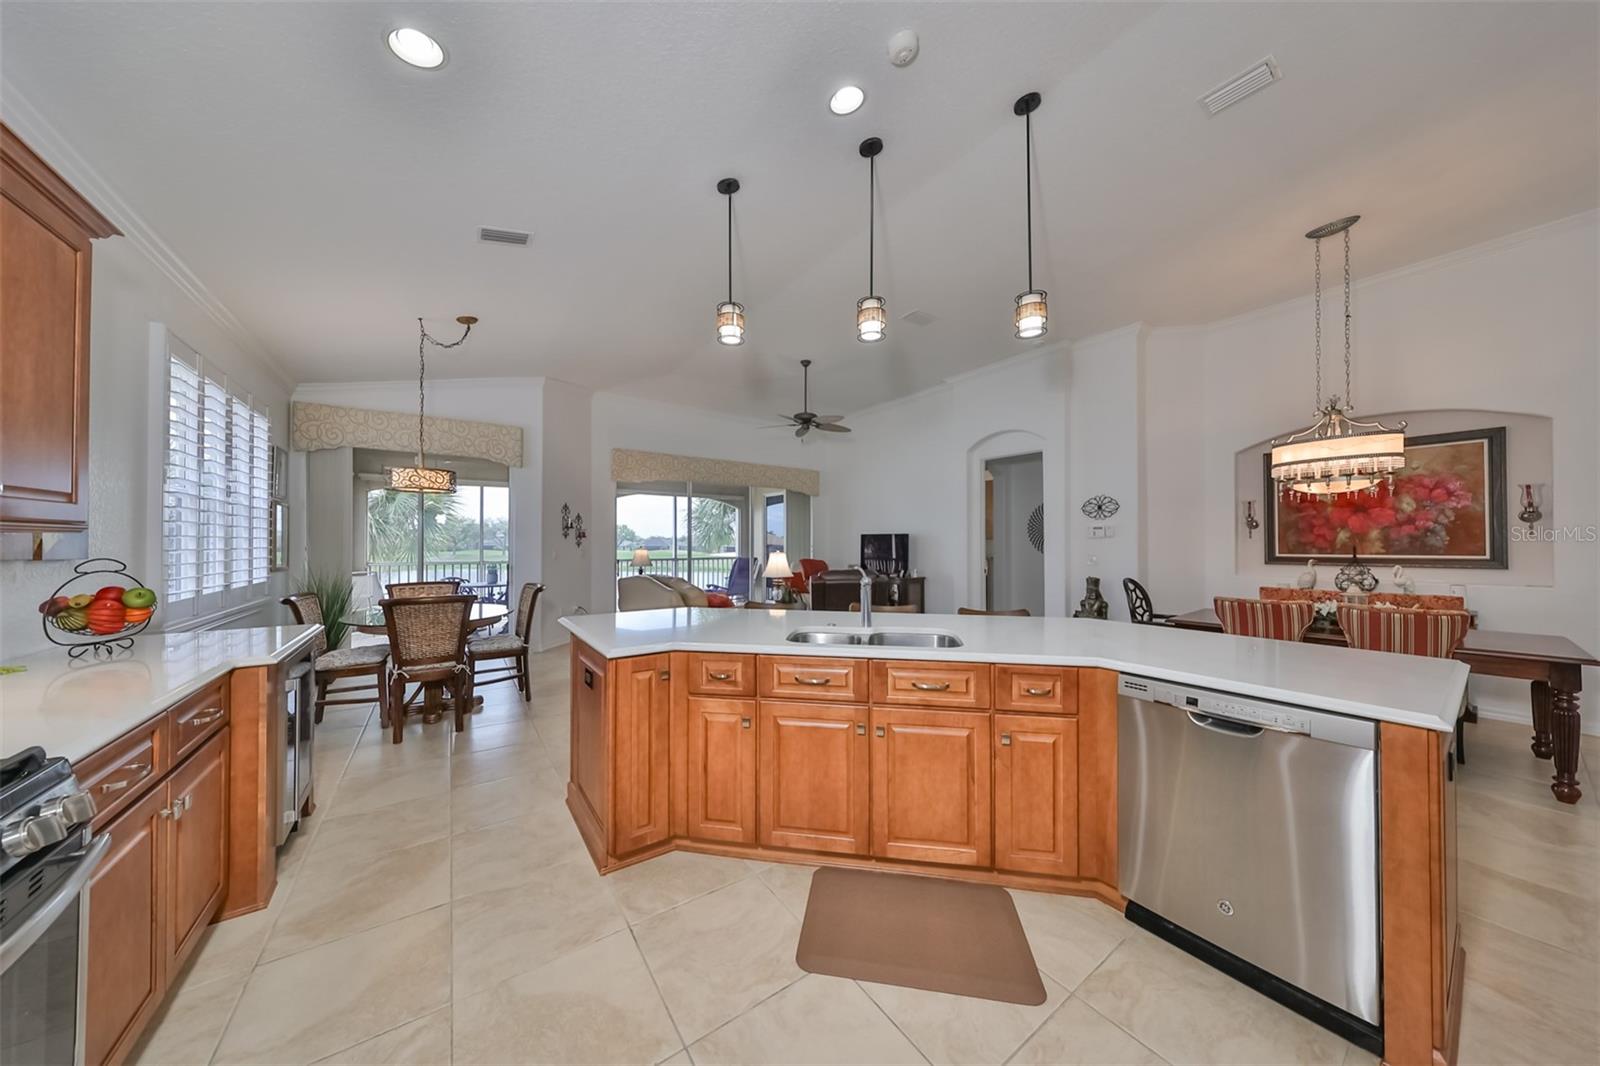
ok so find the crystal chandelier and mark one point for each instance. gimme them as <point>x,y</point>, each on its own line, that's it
<point>1337,454</point>
<point>423,478</point>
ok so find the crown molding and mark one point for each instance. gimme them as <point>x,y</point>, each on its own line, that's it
<point>48,143</point>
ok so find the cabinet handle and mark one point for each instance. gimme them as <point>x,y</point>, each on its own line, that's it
<point>1005,740</point>
<point>931,686</point>
<point>141,771</point>
<point>588,678</point>
<point>199,720</point>
<point>666,675</point>
<point>812,680</point>
<point>720,677</point>
<point>1038,691</point>
<point>878,730</point>
<point>175,812</point>
<point>861,729</point>
<point>744,722</point>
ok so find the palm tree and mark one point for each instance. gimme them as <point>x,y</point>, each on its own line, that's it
<point>392,522</point>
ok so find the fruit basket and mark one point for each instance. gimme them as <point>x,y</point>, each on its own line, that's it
<point>84,619</point>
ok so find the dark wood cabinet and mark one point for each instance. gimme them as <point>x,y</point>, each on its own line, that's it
<point>127,965</point>
<point>46,230</point>
<point>930,786</point>
<point>1036,794</point>
<point>812,776</point>
<point>721,792</point>
<point>639,753</point>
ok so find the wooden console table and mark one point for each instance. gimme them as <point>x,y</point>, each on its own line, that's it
<point>1554,665</point>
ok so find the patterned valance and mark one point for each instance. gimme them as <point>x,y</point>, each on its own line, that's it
<point>630,465</point>
<point>316,426</point>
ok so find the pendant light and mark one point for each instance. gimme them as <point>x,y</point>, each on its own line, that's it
<point>423,478</point>
<point>730,316</point>
<point>871,314</point>
<point>1032,314</point>
<point>1337,454</point>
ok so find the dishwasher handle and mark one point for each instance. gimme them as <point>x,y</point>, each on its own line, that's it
<point>1226,726</point>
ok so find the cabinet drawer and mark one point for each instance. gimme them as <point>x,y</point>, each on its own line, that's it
<point>722,675</point>
<point>119,772</point>
<point>963,685</point>
<point>807,678</point>
<point>1040,689</point>
<point>196,718</point>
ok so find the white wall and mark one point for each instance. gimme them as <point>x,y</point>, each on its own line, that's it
<point>1505,327</point>
<point>1105,421</point>
<point>567,479</point>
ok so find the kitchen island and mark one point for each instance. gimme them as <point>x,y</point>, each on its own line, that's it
<point>991,758</point>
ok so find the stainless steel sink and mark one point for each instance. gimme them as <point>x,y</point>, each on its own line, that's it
<point>906,638</point>
<point>885,638</point>
<point>826,636</point>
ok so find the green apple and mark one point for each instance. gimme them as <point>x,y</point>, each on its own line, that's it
<point>82,600</point>
<point>138,598</point>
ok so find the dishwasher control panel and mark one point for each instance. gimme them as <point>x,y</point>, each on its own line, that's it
<point>1261,713</point>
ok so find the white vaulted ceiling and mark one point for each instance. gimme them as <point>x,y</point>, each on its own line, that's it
<point>328,194</point>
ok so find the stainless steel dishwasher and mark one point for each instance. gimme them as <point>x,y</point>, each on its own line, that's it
<point>1248,836</point>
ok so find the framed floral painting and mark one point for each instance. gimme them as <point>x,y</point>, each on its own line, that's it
<point>1447,508</point>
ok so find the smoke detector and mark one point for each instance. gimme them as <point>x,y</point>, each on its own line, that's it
<point>1240,86</point>
<point>903,48</point>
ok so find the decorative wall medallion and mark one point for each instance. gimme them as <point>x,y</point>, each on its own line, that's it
<point>1036,528</point>
<point>1100,507</point>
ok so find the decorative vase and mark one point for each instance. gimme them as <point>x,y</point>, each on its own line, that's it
<point>1093,605</point>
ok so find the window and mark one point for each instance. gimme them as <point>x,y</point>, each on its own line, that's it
<point>215,505</point>
<point>691,531</point>
<point>424,537</point>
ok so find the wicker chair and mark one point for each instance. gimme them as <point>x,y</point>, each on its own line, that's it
<point>1020,612</point>
<point>428,647</point>
<point>1140,610</point>
<point>1273,619</point>
<point>371,660</point>
<point>401,590</point>
<point>512,646</point>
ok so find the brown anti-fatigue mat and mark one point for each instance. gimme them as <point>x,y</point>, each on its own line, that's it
<point>920,932</point>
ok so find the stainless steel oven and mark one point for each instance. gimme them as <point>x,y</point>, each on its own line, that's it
<point>48,858</point>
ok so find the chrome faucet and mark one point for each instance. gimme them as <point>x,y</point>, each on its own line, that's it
<point>866,597</point>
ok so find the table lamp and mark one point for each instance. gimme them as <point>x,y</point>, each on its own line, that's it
<point>641,558</point>
<point>778,570</point>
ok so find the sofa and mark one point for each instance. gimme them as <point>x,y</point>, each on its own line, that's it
<point>650,592</point>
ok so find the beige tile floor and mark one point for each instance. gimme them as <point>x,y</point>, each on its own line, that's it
<point>439,907</point>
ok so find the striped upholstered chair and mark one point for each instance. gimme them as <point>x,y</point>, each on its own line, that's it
<point>1404,631</point>
<point>1273,619</point>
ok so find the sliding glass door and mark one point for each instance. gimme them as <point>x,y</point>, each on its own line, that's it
<point>695,532</point>
<point>464,534</point>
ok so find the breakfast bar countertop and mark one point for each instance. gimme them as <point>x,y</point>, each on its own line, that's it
<point>74,707</point>
<point>1408,690</point>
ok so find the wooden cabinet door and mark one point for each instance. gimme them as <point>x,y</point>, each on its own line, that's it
<point>126,972</point>
<point>812,777</point>
<point>197,852</point>
<point>588,790</point>
<point>930,786</point>
<point>722,770</point>
<point>1036,794</point>
<point>639,757</point>
<point>45,230</point>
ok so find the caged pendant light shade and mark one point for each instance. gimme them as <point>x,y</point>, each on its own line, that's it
<point>730,315</point>
<point>1032,315</point>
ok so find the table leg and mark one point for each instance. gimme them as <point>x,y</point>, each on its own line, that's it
<point>1566,725</point>
<point>432,703</point>
<point>1543,745</point>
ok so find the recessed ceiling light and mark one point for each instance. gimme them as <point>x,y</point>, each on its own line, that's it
<point>847,100</point>
<point>416,48</point>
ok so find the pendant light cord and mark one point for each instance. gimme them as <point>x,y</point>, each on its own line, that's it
<point>422,376</point>
<point>1317,304</point>
<point>1027,128</point>
<point>872,208</point>
<point>1349,403</point>
<point>730,247</point>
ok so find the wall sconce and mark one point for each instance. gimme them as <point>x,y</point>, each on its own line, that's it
<point>1530,512</point>
<point>572,525</point>
<point>1251,522</point>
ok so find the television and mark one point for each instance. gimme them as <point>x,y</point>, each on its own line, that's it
<point>886,553</point>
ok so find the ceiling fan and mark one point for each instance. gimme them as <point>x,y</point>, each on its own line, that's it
<point>805,421</point>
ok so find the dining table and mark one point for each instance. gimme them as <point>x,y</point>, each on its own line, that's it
<point>434,703</point>
<point>1552,664</point>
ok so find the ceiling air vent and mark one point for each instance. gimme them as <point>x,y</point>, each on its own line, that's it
<point>503,236</point>
<point>1237,88</point>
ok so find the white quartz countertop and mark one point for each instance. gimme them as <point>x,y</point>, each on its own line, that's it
<point>72,708</point>
<point>1407,689</point>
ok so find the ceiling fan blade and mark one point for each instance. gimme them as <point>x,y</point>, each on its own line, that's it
<point>830,418</point>
<point>779,425</point>
<point>831,427</point>
<point>793,420</point>
<point>802,431</point>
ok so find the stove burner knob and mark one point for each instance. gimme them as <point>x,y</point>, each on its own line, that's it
<point>74,810</point>
<point>30,834</point>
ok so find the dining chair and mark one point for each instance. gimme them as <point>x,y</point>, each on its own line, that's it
<point>809,568</point>
<point>885,608</point>
<point>1140,609</point>
<point>1408,631</point>
<point>1020,612</point>
<point>513,646</point>
<point>428,648</point>
<point>450,586</point>
<point>1272,619</point>
<point>369,660</point>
